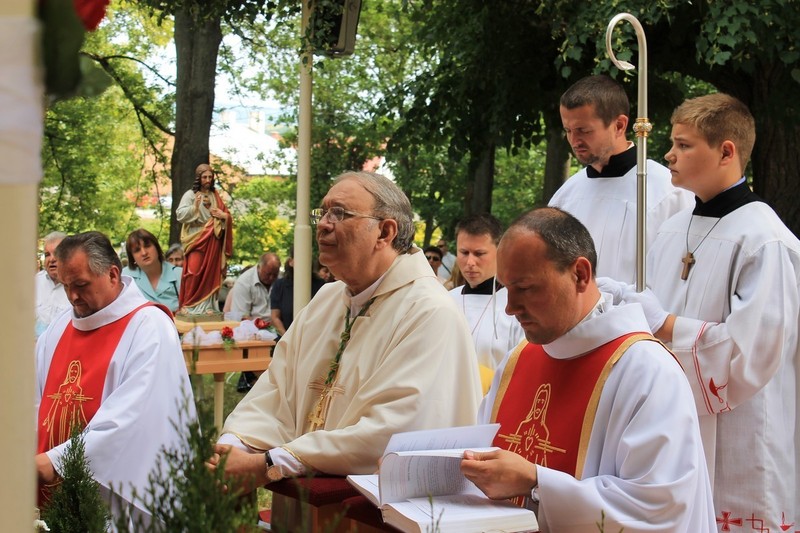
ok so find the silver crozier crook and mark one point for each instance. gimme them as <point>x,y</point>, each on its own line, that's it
<point>642,127</point>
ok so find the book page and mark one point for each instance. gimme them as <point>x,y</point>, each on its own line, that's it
<point>459,514</point>
<point>410,476</point>
<point>445,438</point>
<point>453,452</point>
<point>366,484</point>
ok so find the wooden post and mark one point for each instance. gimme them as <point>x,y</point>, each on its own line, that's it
<point>21,123</point>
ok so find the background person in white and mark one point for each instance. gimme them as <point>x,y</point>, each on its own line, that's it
<point>146,388</point>
<point>594,112</point>
<point>481,298</point>
<point>250,292</point>
<point>408,362</point>
<point>642,464</point>
<point>448,261</point>
<point>730,312</point>
<point>51,300</point>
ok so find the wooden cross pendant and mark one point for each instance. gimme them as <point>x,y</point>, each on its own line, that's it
<point>688,261</point>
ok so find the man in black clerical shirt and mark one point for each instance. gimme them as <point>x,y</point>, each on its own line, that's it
<point>481,298</point>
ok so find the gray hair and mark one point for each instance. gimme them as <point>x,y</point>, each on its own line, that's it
<point>563,234</point>
<point>54,236</point>
<point>97,247</point>
<point>174,247</point>
<point>390,203</point>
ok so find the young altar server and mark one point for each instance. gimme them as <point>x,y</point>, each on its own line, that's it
<point>725,276</point>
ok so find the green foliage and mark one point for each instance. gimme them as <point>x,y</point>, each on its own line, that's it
<point>518,182</point>
<point>100,153</point>
<point>76,505</point>
<point>88,167</point>
<point>184,495</point>
<point>260,212</point>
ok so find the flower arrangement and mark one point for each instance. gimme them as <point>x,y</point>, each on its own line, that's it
<point>227,338</point>
<point>260,323</point>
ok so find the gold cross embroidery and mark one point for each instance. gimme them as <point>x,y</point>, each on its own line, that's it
<point>317,416</point>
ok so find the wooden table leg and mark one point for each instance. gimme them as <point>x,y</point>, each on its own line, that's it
<point>219,400</point>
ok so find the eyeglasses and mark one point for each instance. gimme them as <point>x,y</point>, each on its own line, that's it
<point>336,214</point>
<point>432,258</point>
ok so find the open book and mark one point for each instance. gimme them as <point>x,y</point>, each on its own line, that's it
<point>419,486</point>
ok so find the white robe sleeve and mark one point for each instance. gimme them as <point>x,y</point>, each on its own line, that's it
<point>730,361</point>
<point>645,468</point>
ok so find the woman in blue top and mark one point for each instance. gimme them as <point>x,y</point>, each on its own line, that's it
<point>158,280</point>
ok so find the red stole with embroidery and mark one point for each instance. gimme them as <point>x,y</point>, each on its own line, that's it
<point>76,378</point>
<point>546,406</point>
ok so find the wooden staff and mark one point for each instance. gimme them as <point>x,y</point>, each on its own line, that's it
<point>642,128</point>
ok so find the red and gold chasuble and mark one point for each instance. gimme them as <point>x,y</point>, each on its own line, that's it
<point>76,379</point>
<point>533,382</point>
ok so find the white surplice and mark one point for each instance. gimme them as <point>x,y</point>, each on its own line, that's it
<point>494,332</point>
<point>736,334</point>
<point>146,390</point>
<point>410,364</point>
<point>607,207</point>
<point>51,300</point>
<point>644,466</point>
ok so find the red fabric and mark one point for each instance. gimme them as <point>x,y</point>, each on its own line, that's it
<point>87,354</point>
<point>91,12</point>
<point>552,437</point>
<point>361,510</point>
<point>75,382</point>
<point>204,264</point>
<point>317,491</point>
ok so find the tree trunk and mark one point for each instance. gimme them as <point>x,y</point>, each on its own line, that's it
<point>556,165</point>
<point>480,179</point>
<point>775,160</point>
<point>196,45</point>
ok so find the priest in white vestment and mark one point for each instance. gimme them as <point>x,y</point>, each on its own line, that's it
<point>635,452</point>
<point>481,298</point>
<point>724,279</point>
<point>123,380</point>
<point>381,351</point>
<point>594,112</point>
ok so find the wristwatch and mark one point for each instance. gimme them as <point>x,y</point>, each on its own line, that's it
<point>273,472</point>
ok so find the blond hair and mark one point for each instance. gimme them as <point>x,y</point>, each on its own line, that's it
<point>720,117</point>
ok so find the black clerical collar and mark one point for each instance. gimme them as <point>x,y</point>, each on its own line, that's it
<point>726,202</point>
<point>618,165</point>
<point>487,287</point>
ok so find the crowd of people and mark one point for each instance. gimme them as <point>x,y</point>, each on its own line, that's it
<point>668,409</point>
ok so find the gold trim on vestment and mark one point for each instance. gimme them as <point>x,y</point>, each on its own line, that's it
<point>594,399</point>
<point>508,372</point>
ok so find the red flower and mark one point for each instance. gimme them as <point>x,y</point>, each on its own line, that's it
<point>91,12</point>
<point>260,323</point>
<point>227,333</point>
